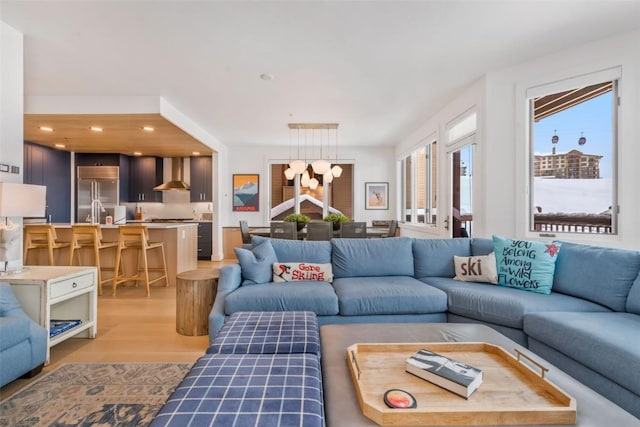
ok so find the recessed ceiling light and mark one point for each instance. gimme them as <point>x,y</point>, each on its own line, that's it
<point>96,128</point>
<point>46,128</point>
<point>266,76</point>
<point>148,128</point>
<point>60,145</point>
<point>137,153</point>
<point>195,153</point>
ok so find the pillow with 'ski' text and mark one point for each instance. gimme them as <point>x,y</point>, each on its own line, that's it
<point>301,271</point>
<point>476,268</point>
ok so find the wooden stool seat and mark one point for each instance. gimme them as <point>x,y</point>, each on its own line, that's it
<point>41,236</point>
<point>89,236</point>
<point>137,237</point>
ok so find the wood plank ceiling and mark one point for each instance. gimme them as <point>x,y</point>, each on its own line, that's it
<point>121,133</point>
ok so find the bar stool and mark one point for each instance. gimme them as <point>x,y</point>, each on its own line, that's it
<point>42,236</point>
<point>137,237</point>
<point>89,236</point>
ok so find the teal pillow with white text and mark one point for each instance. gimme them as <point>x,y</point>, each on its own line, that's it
<point>526,264</point>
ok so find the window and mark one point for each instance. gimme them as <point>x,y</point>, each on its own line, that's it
<point>419,186</point>
<point>573,155</point>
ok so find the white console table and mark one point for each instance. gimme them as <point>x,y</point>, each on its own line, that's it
<point>66,293</point>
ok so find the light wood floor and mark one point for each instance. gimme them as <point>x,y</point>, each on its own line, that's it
<point>131,328</point>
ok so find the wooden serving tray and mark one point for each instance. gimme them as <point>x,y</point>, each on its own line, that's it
<point>511,392</point>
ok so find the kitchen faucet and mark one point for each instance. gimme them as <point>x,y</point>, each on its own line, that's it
<point>94,216</point>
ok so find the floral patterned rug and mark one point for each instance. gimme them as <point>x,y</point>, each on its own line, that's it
<point>93,394</point>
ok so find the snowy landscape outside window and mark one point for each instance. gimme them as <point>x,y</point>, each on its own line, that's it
<point>419,185</point>
<point>573,159</point>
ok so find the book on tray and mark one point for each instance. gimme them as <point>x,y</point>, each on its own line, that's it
<point>59,326</point>
<point>445,372</point>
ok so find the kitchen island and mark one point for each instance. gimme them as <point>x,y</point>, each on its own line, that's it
<point>180,245</point>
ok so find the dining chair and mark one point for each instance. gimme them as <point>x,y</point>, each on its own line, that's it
<point>354,229</point>
<point>244,231</point>
<point>393,227</point>
<point>319,230</point>
<point>284,230</point>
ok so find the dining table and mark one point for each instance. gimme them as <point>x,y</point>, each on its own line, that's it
<point>372,232</point>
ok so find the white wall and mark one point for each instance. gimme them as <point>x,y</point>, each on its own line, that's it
<point>501,171</point>
<point>11,119</point>
<point>11,90</point>
<point>370,165</point>
<point>506,178</point>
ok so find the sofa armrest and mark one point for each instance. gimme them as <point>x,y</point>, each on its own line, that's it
<point>230,280</point>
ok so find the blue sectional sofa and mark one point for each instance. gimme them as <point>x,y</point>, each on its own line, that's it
<point>23,343</point>
<point>588,326</point>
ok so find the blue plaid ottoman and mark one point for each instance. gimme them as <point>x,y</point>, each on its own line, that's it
<point>229,390</point>
<point>268,332</point>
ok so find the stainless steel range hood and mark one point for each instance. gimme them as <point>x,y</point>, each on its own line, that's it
<point>177,177</point>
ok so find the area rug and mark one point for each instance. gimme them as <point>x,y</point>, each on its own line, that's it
<point>93,394</point>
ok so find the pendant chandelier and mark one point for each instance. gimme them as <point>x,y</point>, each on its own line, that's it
<point>322,132</point>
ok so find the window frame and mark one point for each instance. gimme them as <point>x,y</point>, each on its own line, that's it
<point>614,75</point>
<point>429,146</point>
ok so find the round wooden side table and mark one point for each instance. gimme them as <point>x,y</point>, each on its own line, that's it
<point>195,293</point>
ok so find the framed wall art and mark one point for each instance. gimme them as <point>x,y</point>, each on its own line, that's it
<point>246,192</point>
<point>376,195</point>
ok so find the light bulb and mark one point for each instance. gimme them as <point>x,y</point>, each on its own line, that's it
<point>321,166</point>
<point>336,171</point>
<point>304,181</point>
<point>290,173</point>
<point>313,183</point>
<point>327,177</point>
<point>298,166</point>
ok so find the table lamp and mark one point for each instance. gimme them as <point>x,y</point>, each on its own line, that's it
<point>17,200</point>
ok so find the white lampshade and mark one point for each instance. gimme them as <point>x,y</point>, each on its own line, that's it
<point>313,183</point>
<point>304,181</point>
<point>22,200</point>
<point>289,173</point>
<point>321,166</point>
<point>298,166</point>
<point>336,171</point>
<point>327,177</point>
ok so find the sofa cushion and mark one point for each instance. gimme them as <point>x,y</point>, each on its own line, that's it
<point>481,246</point>
<point>502,305</point>
<point>387,295</point>
<point>480,268</point>
<point>598,274</point>
<point>318,252</point>
<point>298,271</point>
<point>633,300</point>
<point>256,263</point>
<point>525,264</point>
<point>372,257</point>
<point>318,297</point>
<point>604,342</point>
<point>13,330</point>
<point>224,390</point>
<point>268,332</point>
<point>434,257</point>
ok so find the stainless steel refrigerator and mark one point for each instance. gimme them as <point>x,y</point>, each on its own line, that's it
<point>97,191</point>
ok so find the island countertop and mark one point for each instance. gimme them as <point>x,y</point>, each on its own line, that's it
<point>150,225</point>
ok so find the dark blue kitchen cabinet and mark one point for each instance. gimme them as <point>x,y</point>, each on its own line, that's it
<point>51,168</point>
<point>204,240</point>
<point>200,179</point>
<point>144,174</point>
